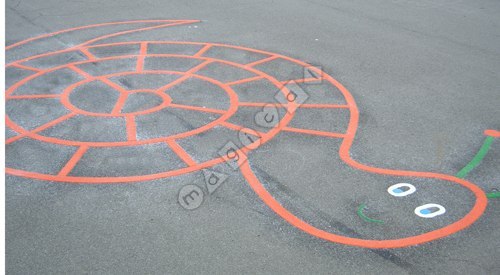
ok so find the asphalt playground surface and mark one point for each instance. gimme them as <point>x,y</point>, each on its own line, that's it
<point>107,140</point>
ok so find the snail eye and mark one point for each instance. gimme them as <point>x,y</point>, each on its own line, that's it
<point>430,210</point>
<point>401,189</point>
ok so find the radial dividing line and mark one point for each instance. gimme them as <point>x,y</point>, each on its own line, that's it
<point>264,60</point>
<point>32,96</point>
<point>73,161</point>
<point>80,71</point>
<point>41,128</point>
<point>120,103</point>
<point>87,54</point>
<point>314,132</point>
<point>203,50</point>
<point>300,80</point>
<point>240,128</point>
<point>196,108</point>
<point>198,67</point>
<point>244,80</point>
<point>183,155</point>
<point>24,67</point>
<point>12,139</point>
<point>142,55</point>
<point>186,75</point>
<point>112,85</point>
<point>174,83</point>
<point>131,127</point>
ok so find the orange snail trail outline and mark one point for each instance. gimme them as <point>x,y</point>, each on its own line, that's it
<point>191,165</point>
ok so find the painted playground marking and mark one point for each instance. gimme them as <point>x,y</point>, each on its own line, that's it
<point>138,62</point>
<point>362,215</point>
<point>401,189</point>
<point>426,210</point>
<point>477,158</point>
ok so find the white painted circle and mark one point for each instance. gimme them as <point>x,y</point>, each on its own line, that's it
<point>392,189</point>
<point>418,210</point>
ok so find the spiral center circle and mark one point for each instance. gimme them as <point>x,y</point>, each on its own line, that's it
<point>117,96</point>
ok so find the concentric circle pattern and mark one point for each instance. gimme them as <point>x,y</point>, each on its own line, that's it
<point>128,104</point>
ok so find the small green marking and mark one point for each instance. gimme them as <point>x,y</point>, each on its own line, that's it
<point>493,195</point>
<point>477,158</point>
<point>362,215</point>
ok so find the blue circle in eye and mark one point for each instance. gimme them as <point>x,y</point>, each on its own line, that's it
<point>425,211</point>
<point>397,190</point>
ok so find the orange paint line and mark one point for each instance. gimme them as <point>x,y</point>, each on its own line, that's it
<point>284,213</point>
<point>136,30</point>
<point>131,127</point>
<point>144,48</point>
<point>86,44</point>
<point>314,132</point>
<point>199,67</point>
<point>108,180</point>
<point>105,45</point>
<point>245,80</point>
<point>492,133</point>
<point>300,80</point>
<point>112,84</point>
<point>181,153</point>
<point>88,54</point>
<point>12,139</point>
<point>80,71</point>
<point>174,83</point>
<point>240,128</point>
<point>196,108</point>
<point>120,103</point>
<point>203,50</point>
<point>186,75</point>
<point>93,26</point>
<point>41,128</point>
<point>182,22</point>
<point>233,99</point>
<point>264,60</point>
<point>24,67</point>
<point>32,96</point>
<point>142,54</point>
<point>53,122</point>
<point>73,161</point>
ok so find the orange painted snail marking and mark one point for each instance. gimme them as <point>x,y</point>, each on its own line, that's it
<point>199,61</point>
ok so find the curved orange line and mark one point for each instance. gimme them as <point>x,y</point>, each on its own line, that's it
<point>466,221</point>
<point>95,26</point>
<point>492,133</point>
<point>476,211</point>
